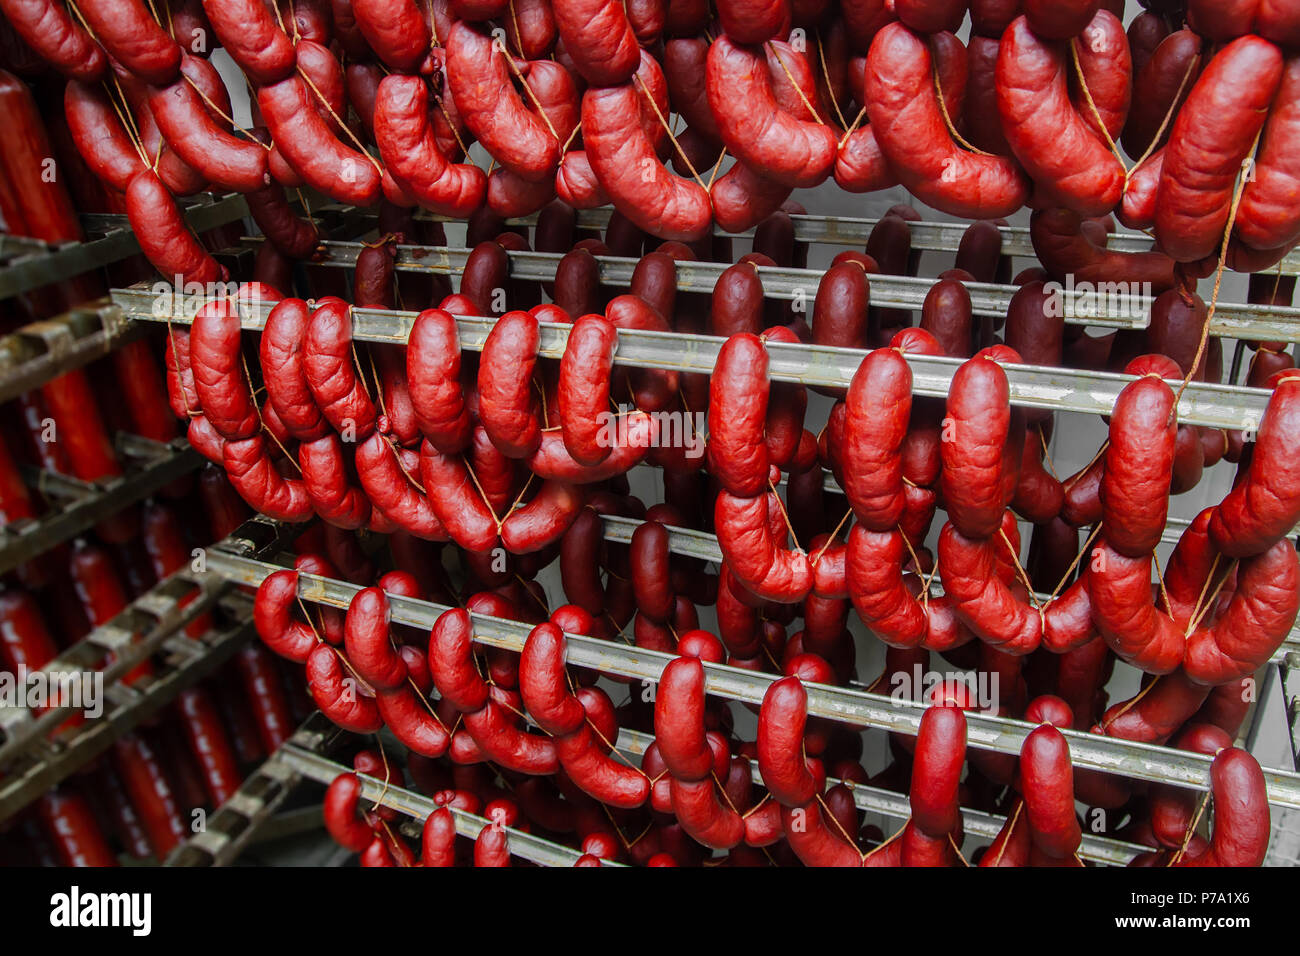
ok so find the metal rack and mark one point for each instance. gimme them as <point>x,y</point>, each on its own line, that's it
<point>1218,406</point>
<point>27,264</point>
<point>230,828</point>
<point>847,705</point>
<point>700,544</point>
<point>306,755</point>
<point>926,236</point>
<point>36,754</point>
<point>895,806</point>
<point>1231,320</point>
<point>77,505</point>
<point>32,356</point>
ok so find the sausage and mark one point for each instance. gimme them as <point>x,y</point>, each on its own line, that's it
<point>140,768</point>
<point>543,520</point>
<point>51,32</point>
<point>742,197</point>
<point>225,396</point>
<point>253,473</point>
<point>248,31</point>
<point>207,740</point>
<point>395,31</point>
<point>457,503</point>
<point>99,135</point>
<point>564,715</point>
<point>1261,509</point>
<point>281,351</point>
<point>879,405</point>
<point>931,16</point>
<point>1266,218</point>
<point>341,698</point>
<point>133,38</point>
<point>368,643</point>
<point>679,721</point>
<point>1047,134</point>
<point>598,39</point>
<point>1241,813</point>
<point>164,235</point>
<point>781,759</point>
<point>1123,612</point>
<point>226,161</point>
<point>936,770</point>
<point>1106,68</point>
<point>409,147</point>
<point>1065,248</point>
<point>508,407</point>
<point>773,142</point>
<point>1259,617</point>
<point>1047,782</point>
<point>623,160</point>
<point>1060,19</point>
<point>757,558</point>
<point>433,364</point>
<point>1139,467</point>
<point>345,825</point>
<point>69,820</point>
<point>1211,137</point>
<point>480,83</point>
<point>983,125</point>
<point>311,149</point>
<point>451,665</point>
<point>981,599</point>
<point>978,479</point>
<point>738,392</point>
<point>386,475</point>
<point>330,370</point>
<point>904,113</point>
<point>1166,80</point>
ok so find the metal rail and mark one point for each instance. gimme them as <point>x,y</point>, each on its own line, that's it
<point>41,351</point>
<point>78,505</point>
<point>1218,406</point>
<point>233,826</point>
<point>37,753</point>
<point>31,263</point>
<point>313,766</point>
<point>700,544</point>
<point>1231,319</point>
<point>999,734</point>
<point>926,236</point>
<point>895,806</point>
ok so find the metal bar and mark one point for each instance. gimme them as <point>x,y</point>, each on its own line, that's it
<point>1231,319</point>
<point>78,747</point>
<point>134,635</point>
<point>1174,527</point>
<point>702,545</point>
<point>800,285</point>
<point>24,541</point>
<point>1218,406</point>
<point>57,263</point>
<point>926,236</point>
<point>233,826</point>
<point>895,806</point>
<point>999,734</point>
<point>418,806</point>
<point>43,350</point>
